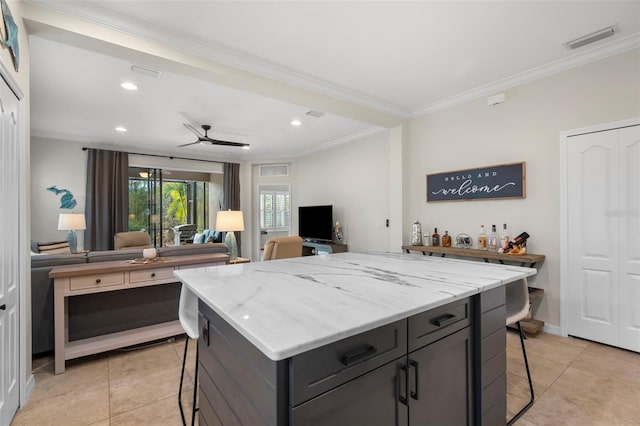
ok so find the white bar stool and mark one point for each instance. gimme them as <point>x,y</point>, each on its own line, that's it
<point>517,294</point>
<point>188,315</point>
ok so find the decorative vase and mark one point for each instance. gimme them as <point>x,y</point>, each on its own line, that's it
<point>416,234</point>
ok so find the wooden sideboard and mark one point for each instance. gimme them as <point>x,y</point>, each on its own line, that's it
<point>531,325</point>
<point>91,278</point>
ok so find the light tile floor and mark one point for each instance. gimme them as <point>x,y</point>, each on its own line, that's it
<point>576,382</point>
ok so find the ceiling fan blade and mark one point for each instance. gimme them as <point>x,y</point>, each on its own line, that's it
<point>195,131</point>
<point>190,143</point>
<point>225,143</point>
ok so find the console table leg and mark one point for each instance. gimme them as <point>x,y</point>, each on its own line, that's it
<point>59,323</point>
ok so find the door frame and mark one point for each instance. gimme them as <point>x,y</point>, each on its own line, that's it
<point>565,138</point>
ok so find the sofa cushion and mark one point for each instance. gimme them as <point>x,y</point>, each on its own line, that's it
<point>110,255</point>
<point>189,249</point>
<point>49,261</point>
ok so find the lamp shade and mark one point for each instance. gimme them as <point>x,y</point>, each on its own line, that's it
<point>229,221</point>
<point>71,221</point>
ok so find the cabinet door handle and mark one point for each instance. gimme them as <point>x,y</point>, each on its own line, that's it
<point>97,280</point>
<point>403,370</point>
<point>443,320</point>
<point>153,274</point>
<point>416,378</point>
<point>3,307</point>
<point>358,354</point>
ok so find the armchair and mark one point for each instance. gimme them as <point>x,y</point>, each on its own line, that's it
<point>283,247</point>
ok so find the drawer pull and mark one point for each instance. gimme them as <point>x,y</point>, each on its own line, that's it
<point>416,378</point>
<point>97,280</point>
<point>358,354</point>
<point>153,274</point>
<point>403,371</point>
<point>443,320</point>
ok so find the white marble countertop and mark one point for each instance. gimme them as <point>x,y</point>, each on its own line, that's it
<point>286,307</point>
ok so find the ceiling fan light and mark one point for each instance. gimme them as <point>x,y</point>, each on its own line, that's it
<point>590,38</point>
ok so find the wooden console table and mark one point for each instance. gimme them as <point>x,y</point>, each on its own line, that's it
<point>532,326</point>
<point>90,278</point>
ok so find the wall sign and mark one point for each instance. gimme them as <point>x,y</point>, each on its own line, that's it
<point>485,183</point>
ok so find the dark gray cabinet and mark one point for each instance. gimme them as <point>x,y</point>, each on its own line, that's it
<point>440,382</point>
<point>366,401</point>
<point>422,370</point>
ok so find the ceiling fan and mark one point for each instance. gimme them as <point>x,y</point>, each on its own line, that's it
<point>203,139</point>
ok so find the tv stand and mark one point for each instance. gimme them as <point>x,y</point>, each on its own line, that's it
<point>311,248</point>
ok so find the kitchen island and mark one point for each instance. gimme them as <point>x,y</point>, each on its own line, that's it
<point>352,338</point>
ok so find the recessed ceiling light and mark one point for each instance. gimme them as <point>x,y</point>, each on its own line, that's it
<point>296,122</point>
<point>129,86</point>
<point>121,129</point>
<point>246,147</point>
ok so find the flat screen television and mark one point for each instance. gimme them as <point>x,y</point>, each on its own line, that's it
<point>315,223</point>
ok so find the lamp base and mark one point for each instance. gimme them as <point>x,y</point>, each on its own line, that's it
<point>73,241</point>
<point>232,245</point>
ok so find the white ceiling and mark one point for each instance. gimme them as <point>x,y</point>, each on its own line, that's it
<point>399,58</point>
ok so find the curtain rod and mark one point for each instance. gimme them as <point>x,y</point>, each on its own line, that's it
<point>171,157</point>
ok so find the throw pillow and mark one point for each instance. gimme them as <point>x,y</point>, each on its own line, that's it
<point>56,247</point>
<point>198,239</point>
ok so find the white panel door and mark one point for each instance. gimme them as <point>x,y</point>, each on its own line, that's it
<point>603,247</point>
<point>9,260</point>
<point>629,214</point>
<point>593,237</point>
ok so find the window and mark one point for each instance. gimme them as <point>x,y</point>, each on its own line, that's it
<point>162,199</point>
<point>275,208</point>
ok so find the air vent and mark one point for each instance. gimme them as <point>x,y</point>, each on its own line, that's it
<point>316,114</point>
<point>145,71</point>
<point>590,38</point>
<point>274,170</point>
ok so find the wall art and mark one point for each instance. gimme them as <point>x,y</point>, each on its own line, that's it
<point>66,201</point>
<point>483,183</point>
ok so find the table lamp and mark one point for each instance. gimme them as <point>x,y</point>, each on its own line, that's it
<point>72,222</point>
<point>230,221</point>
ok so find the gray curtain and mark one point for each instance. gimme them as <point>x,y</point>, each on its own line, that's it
<point>107,205</point>
<point>231,192</point>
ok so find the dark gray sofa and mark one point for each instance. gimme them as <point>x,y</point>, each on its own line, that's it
<point>96,314</point>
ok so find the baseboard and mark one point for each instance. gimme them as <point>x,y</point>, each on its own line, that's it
<point>552,329</point>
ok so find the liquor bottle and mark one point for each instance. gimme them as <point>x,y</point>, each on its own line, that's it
<point>504,237</point>
<point>446,239</point>
<point>493,239</point>
<point>426,240</point>
<point>482,239</point>
<point>519,241</point>
<point>435,238</point>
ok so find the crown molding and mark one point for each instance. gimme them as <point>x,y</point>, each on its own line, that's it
<point>591,55</point>
<point>349,138</point>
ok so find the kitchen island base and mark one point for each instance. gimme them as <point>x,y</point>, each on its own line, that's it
<point>443,366</point>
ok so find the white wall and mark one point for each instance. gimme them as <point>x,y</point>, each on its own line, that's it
<point>59,163</point>
<point>524,128</point>
<point>354,178</point>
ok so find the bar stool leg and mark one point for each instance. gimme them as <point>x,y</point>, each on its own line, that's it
<point>184,361</point>
<point>526,365</point>
<point>195,386</point>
